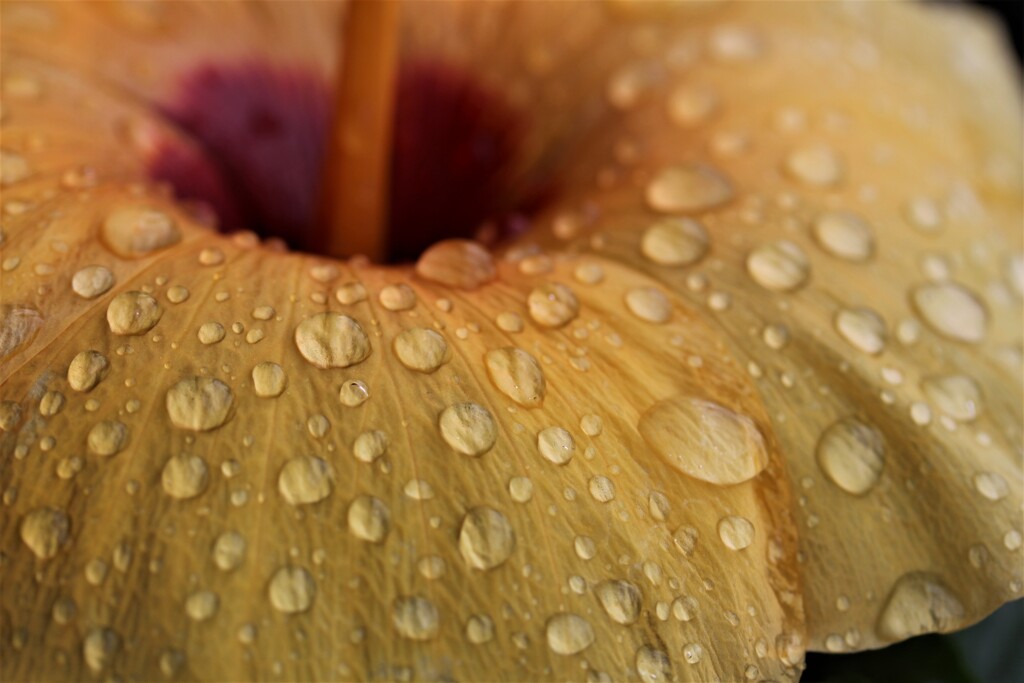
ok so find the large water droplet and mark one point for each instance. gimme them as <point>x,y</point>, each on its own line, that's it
<point>704,440</point>
<point>553,305</point>
<point>675,242</point>
<point>184,476</point>
<point>462,264</point>
<point>400,297</point>
<point>951,310</point>
<point>91,281</point>
<point>421,349</point>
<point>852,455</point>
<point>332,340</point>
<point>687,188</point>
<point>468,428</point>
<point>416,618</point>
<point>87,369</point>
<point>305,479</point>
<point>135,231</point>
<point>516,374</point>
<point>621,600</point>
<point>556,445</point>
<point>199,403</point>
<point>780,266</point>
<point>133,313</point>
<point>919,603</point>
<point>569,634</point>
<point>291,590</point>
<point>486,538</point>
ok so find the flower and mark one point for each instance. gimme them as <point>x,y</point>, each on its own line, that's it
<point>748,384</point>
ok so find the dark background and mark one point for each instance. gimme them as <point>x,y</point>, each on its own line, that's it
<point>1012,13</point>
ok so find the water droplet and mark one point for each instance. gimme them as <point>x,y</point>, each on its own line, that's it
<point>184,476</point>
<point>135,231</point>
<point>50,404</point>
<point>553,305</point>
<point>992,485</point>
<point>468,428</point>
<point>815,165</point>
<point>305,479</point>
<point>421,349</point>
<point>1012,540</point>
<point>291,590</point>
<point>211,256</point>
<point>332,340</point>
<point>44,531</point>
<point>844,235</point>
<point>691,105</point>
<point>199,403</point>
<point>675,242</point>
<point>556,445</point>
<point>431,567</point>
<point>621,600</point>
<point>479,629</point>
<point>107,438</point>
<point>687,188</point>
<point>585,547</point>
<point>602,489</point>
<point>509,322</point>
<point>704,440</point>
<point>229,551</point>
<point>353,393</point>
<point>87,369</point>
<point>486,538</point>
<point>350,293</point>
<point>521,489</point>
<point>862,328</point>
<point>64,610</point>
<point>18,325</point>
<point>654,666</point>
<point>569,634</point>
<point>269,380</point>
<point>692,652</point>
<point>400,297</point>
<point>370,445</point>
<point>731,43</point>
<point>462,264</point>
<point>924,214</point>
<point>780,266</point>
<point>133,313</point>
<point>210,333</point>
<point>516,374</point>
<point>649,304</point>
<point>736,532</point>
<point>775,336</point>
<point>99,647</point>
<point>416,618</point>
<point>684,608</point>
<point>951,310</point>
<point>919,603</point>
<point>852,455</point>
<point>13,168</point>
<point>369,519</point>
<point>202,605</point>
<point>171,662</point>
<point>588,273</point>
<point>91,281</point>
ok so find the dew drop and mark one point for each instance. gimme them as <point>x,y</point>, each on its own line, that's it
<point>269,380</point>
<point>229,551</point>
<point>691,105</point>
<point>687,188</point>
<point>133,313</point>
<point>704,440</point>
<point>692,653</point>
<point>675,242</point>
<point>305,479</point>
<point>924,214</point>
<point>135,231</point>
<point>585,547</point>
<point>780,266</point>
<point>13,168</point>
<point>951,310</point>
<point>91,281</point>
<point>99,647</point>
<point>862,328</point>
<point>736,532</point>
<point>332,340</point>
<point>400,297</point>
<point>291,590</point>
<point>418,489</point>
<point>521,489</point>
<point>919,603</point>
<point>816,165</point>
<point>569,634</point>
<point>18,325</point>
<point>844,235</point>
<point>370,445</point>
<point>44,531</point>
<point>462,264</point>
<point>479,629</point>
<point>486,538</point>
<point>649,304</point>
<point>516,374</point>
<point>353,393</point>
<point>602,489</point>
<point>50,404</point>
<point>87,369</point>
<point>556,445</point>
<point>107,438</point>
<point>350,293</point>
<point>509,322</point>
<point>185,476</point>
<point>415,618</point>
<point>621,600</point>
<point>202,605</point>
<point>421,349</point>
<point>654,666</point>
<point>991,485</point>
<point>369,519</point>
<point>553,305</point>
<point>199,403</point>
<point>468,428</point>
<point>210,333</point>
<point>852,455</point>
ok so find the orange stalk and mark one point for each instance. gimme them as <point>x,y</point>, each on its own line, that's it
<point>354,194</point>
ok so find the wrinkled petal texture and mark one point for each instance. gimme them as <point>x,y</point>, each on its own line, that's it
<point>750,384</point>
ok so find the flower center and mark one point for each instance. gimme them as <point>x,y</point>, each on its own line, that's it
<point>261,134</point>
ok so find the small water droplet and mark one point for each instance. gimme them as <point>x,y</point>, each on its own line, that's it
<point>133,313</point>
<point>736,532</point>
<point>421,349</point>
<point>369,519</point>
<point>486,538</point>
<point>202,605</point>
<point>516,374</point>
<point>556,445</point>
<point>199,404</point>
<point>269,380</point>
<point>350,293</point>
<point>852,455</point>
<point>399,297</point>
<point>291,590</point>
<point>687,188</point>
<point>553,305</point>
<point>780,266</point>
<point>691,105</point>
<point>416,618</point>
<point>479,629</point>
<point>992,485</point>
<point>87,369</point>
<point>521,489</point>
<point>653,665</point>
<point>107,438</point>
<point>184,476</point>
<point>13,168</point>
<point>675,242</point>
<point>649,304</point>
<point>844,235</point>
<point>229,551</point>
<point>602,489</point>
<point>210,333</point>
<point>468,428</point>
<point>44,531</point>
<point>621,600</point>
<point>353,393</point>
<point>862,328</point>
<point>704,440</point>
<point>816,165</point>
<point>99,647</point>
<point>92,281</point>
<point>692,653</point>
<point>305,479</point>
<point>951,310</point>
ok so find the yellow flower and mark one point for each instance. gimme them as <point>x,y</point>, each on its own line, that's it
<point>748,383</point>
